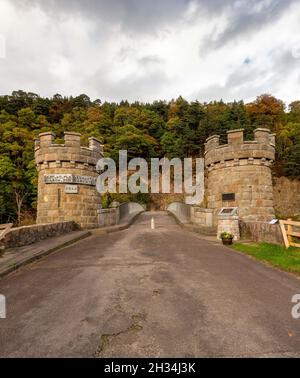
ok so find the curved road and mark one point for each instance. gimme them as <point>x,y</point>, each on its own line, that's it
<point>142,292</point>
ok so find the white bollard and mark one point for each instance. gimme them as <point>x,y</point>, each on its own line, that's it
<point>152,224</point>
<point>2,307</point>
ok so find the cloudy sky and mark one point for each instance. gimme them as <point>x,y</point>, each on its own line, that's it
<point>145,50</point>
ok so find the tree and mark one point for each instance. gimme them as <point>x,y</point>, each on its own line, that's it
<point>7,172</point>
<point>17,170</point>
<point>292,166</point>
<point>26,118</point>
<point>214,121</point>
<point>126,115</point>
<point>170,145</point>
<point>236,117</point>
<point>294,109</point>
<point>266,111</point>
<point>134,141</point>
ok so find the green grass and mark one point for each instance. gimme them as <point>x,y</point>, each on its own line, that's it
<point>285,259</point>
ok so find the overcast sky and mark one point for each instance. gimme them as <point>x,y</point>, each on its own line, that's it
<point>146,50</point>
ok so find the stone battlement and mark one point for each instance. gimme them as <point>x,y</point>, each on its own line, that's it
<point>262,148</point>
<point>70,154</point>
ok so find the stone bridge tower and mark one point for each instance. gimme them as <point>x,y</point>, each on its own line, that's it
<point>238,174</point>
<point>67,178</point>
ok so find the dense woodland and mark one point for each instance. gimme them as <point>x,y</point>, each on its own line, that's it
<point>177,128</point>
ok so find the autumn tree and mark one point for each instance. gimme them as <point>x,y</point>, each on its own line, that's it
<point>266,111</point>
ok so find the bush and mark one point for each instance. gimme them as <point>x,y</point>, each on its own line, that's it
<point>226,235</point>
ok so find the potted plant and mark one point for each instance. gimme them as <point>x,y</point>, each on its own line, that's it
<point>226,237</point>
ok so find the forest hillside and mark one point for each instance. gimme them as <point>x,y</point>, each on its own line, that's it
<point>176,128</point>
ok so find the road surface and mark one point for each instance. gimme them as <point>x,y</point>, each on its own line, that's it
<point>149,293</point>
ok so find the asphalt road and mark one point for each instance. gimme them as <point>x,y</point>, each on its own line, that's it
<point>142,292</point>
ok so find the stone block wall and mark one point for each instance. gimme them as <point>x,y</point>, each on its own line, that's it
<point>202,217</point>
<point>128,208</point>
<point>108,217</point>
<point>181,210</point>
<point>21,236</point>
<point>286,193</point>
<point>65,161</point>
<point>118,212</point>
<point>243,168</point>
<point>261,232</point>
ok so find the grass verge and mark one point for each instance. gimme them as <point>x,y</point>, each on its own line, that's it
<point>285,259</point>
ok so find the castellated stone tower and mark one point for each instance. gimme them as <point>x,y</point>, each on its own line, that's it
<point>238,174</point>
<point>67,178</point>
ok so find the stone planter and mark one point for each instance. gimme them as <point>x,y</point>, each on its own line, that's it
<point>227,241</point>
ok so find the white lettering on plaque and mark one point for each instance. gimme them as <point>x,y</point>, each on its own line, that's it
<point>71,189</point>
<point>69,179</point>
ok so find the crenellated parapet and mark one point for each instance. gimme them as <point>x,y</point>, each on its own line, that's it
<point>237,151</point>
<point>48,154</point>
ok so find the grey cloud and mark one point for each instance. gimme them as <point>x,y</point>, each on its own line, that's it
<point>284,61</point>
<point>244,19</point>
<point>242,82</point>
<point>124,53</point>
<point>284,64</point>
<point>228,93</point>
<point>128,52</point>
<point>244,76</point>
<point>142,87</point>
<point>150,60</point>
<point>142,16</point>
<point>31,67</point>
<point>145,16</point>
<point>148,17</point>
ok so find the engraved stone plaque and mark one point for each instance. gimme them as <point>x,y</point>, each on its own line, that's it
<point>71,189</point>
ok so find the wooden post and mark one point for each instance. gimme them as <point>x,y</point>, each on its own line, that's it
<point>289,231</point>
<point>284,235</point>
